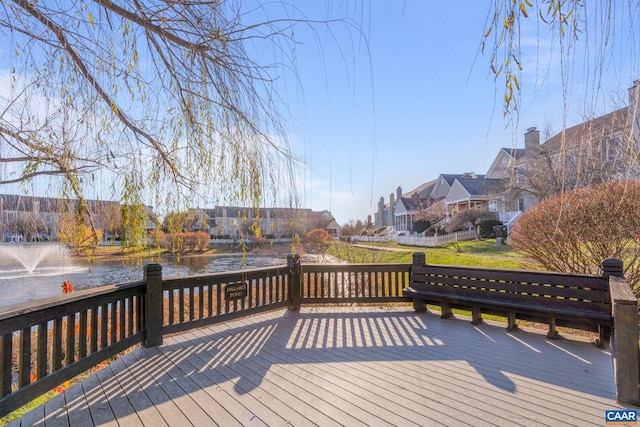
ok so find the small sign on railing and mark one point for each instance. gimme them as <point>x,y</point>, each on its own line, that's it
<point>234,291</point>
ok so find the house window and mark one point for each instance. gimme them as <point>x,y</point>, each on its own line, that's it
<point>521,205</point>
<point>493,205</point>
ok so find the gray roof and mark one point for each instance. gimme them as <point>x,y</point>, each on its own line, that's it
<point>516,153</point>
<point>479,186</point>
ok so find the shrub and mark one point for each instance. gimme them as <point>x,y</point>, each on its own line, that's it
<point>421,225</point>
<point>468,217</point>
<point>434,229</point>
<point>484,227</point>
<point>575,231</point>
<point>317,241</point>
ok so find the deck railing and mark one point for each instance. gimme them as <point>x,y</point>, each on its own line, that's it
<point>45,343</point>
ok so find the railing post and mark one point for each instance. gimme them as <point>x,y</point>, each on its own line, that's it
<point>612,267</point>
<point>153,307</point>
<point>419,260</point>
<point>624,343</point>
<point>295,281</point>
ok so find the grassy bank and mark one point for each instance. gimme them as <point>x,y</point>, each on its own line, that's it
<point>481,253</point>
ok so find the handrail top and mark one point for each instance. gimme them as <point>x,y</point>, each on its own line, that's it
<point>225,273</point>
<point>58,300</point>
<point>507,270</point>
<point>620,291</point>
<point>363,264</point>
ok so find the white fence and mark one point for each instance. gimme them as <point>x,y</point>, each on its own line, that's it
<point>385,238</point>
<point>437,239</point>
<point>417,240</point>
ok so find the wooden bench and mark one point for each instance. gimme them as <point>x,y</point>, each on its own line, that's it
<point>569,300</point>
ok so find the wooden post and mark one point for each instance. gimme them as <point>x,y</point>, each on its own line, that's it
<point>153,307</point>
<point>295,281</point>
<point>476,315</point>
<point>624,342</point>
<point>553,333</point>
<point>445,310</point>
<point>512,324</point>
<point>419,260</point>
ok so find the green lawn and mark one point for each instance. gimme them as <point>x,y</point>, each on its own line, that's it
<point>480,253</point>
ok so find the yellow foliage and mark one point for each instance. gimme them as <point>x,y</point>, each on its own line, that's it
<point>78,235</point>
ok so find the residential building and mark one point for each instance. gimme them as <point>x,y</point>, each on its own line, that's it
<point>385,215</point>
<point>31,219</point>
<point>471,191</point>
<point>410,204</point>
<point>234,222</point>
<point>601,149</point>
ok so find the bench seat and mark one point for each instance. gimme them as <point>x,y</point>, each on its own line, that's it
<point>580,303</point>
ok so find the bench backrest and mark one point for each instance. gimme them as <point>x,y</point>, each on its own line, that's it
<point>571,291</point>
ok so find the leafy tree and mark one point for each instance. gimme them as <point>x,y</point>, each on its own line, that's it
<point>577,32</point>
<point>164,99</point>
<point>575,231</point>
<point>468,218</point>
<point>80,236</point>
<point>352,228</point>
<point>420,225</point>
<point>433,214</point>
<point>31,227</point>
<point>317,241</point>
<point>135,218</point>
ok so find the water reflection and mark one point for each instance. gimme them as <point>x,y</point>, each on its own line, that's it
<point>16,285</point>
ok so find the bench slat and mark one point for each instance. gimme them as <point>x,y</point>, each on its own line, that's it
<point>571,280</point>
<point>529,301</point>
<point>595,295</point>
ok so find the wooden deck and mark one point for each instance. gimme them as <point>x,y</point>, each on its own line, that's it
<point>345,366</point>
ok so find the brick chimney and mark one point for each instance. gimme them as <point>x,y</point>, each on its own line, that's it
<point>531,145</point>
<point>531,140</point>
<point>392,205</point>
<point>399,193</point>
<point>415,199</point>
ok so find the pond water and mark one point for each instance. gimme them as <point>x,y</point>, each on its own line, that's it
<point>18,285</point>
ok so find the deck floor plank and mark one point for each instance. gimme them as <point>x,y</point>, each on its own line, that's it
<point>376,398</point>
<point>96,396</point>
<point>186,379</point>
<point>55,412</point>
<point>248,384</point>
<point>156,393</point>
<point>76,407</point>
<point>457,377</point>
<point>325,405</point>
<point>157,367</point>
<point>344,366</point>
<point>361,378</point>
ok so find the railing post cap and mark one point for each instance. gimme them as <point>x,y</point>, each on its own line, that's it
<point>613,266</point>
<point>419,258</point>
<point>152,269</point>
<point>293,259</point>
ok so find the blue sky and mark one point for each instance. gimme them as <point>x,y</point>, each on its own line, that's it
<point>421,100</point>
<point>412,96</point>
